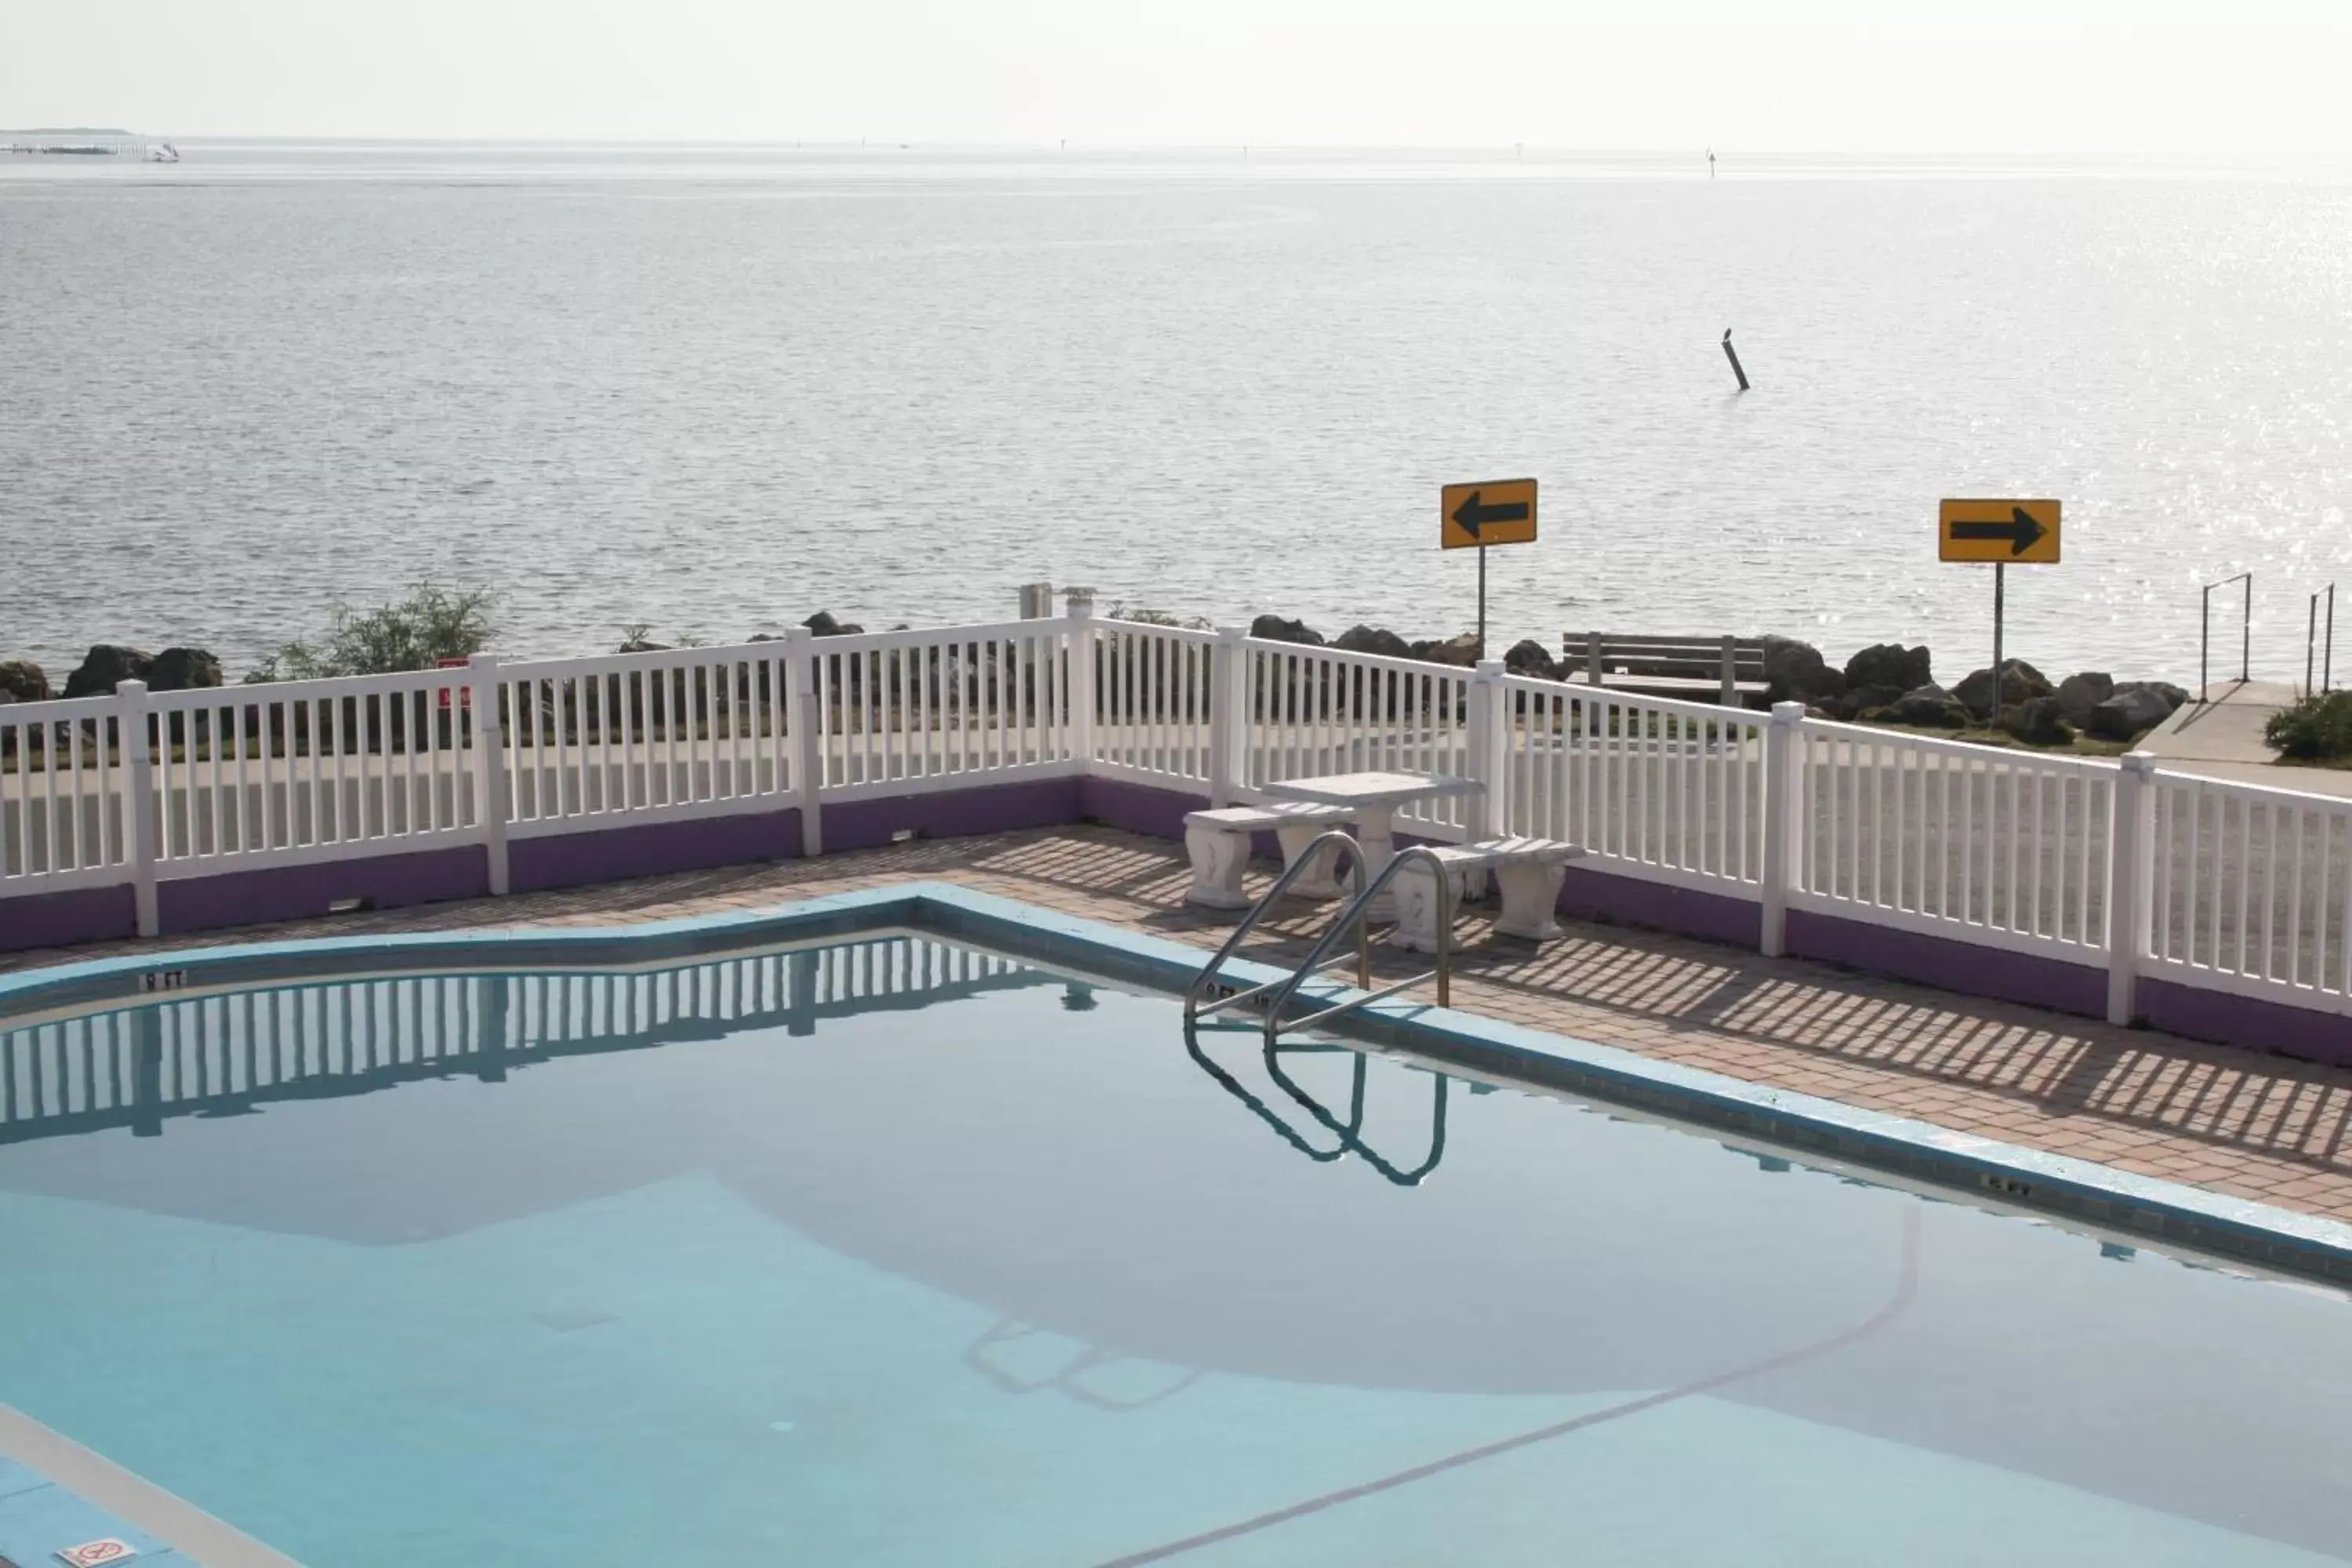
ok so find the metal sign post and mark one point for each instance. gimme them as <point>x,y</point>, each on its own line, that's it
<point>1475,516</point>
<point>1482,601</point>
<point>1999,584</point>
<point>1998,532</point>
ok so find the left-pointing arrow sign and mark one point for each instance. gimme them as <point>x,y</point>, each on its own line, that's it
<point>2020,530</point>
<point>1481,512</point>
<point>1475,513</point>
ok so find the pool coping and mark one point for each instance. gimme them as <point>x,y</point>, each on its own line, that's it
<point>2003,1174</point>
<point>97,1498</point>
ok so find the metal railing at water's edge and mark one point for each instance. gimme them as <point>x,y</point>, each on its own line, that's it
<point>2205,635</point>
<point>2238,887</point>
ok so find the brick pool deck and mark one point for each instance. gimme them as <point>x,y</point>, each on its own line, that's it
<point>2251,1126</point>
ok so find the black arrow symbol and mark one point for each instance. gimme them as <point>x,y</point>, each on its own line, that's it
<point>2023,530</point>
<point>1475,514</point>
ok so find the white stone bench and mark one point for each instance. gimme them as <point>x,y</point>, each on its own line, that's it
<point>1529,870</point>
<point>1219,844</point>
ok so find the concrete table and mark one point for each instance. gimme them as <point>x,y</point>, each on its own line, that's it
<point>1375,797</point>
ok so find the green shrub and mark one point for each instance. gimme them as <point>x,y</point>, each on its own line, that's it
<point>1139,615</point>
<point>433,623</point>
<point>2317,729</point>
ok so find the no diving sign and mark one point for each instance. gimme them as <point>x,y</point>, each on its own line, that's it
<point>92,1553</point>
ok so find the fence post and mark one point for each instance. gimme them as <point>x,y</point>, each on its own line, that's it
<point>483,693</point>
<point>1490,742</point>
<point>140,823</point>
<point>2131,861</point>
<point>803,722</point>
<point>1229,714</point>
<point>1081,684</point>
<point>1783,822</point>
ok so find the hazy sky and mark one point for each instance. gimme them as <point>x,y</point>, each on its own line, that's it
<point>1985,75</point>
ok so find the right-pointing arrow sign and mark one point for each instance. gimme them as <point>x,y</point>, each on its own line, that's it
<point>2022,531</point>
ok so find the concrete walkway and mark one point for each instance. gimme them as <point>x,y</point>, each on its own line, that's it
<point>2221,738</point>
<point>2258,1127</point>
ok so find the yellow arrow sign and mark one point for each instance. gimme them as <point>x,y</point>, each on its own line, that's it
<point>2021,532</point>
<point>1498,511</point>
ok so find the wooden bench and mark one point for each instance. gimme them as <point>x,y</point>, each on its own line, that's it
<point>1529,870</point>
<point>1219,845</point>
<point>1728,669</point>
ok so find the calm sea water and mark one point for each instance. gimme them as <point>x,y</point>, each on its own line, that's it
<point>715,390</point>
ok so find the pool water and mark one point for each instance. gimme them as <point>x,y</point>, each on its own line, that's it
<point>895,1253</point>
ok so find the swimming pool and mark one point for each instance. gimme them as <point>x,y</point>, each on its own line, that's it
<point>896,1252</point>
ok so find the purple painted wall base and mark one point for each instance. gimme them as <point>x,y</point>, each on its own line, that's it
<point>293,892</point>
<point>1631,900</point>
<point>55,920</point>
<point>612,854</point>
<point>2247,1022</point>
<point>997,808</point>
<point>1140,809</point>
<point>1969,968</point>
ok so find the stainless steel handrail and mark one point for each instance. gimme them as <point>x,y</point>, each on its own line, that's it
<point>1291,873</point>
<point>1357,914</point>
<point>2312,642</point>
<point>2205,634</point>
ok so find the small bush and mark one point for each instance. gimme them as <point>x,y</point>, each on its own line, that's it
<point>1139,615</point>
<point>2318,729</point>
<point>433,623</point>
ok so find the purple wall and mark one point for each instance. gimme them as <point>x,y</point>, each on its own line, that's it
<point>292,893</point>
<point>1967,967</point>
<point>995,808</point>
<point>612,854</point>
<point>55,920</point>
<point>1140,808</point>
<point>1630,900</point>
<point>2247,1022</point>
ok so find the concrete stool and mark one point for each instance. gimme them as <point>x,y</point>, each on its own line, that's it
<point>1529,870</point>
<point>1218,843</point>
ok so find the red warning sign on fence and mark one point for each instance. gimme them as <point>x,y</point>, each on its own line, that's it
<point>464,693</point>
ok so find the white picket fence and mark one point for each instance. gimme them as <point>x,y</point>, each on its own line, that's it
<point>1669,792</point>
<point>2228,886</point>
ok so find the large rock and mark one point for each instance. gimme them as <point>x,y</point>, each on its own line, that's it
<point>1861,699</point>
<point>2020,684</point>
<point>1529,657</point>
<point>2173,695</point>
<point>1462,651</point>
<point>1930,707</point>
<point>183,669</point>
<point>22,680</point>
<point>2038,721</point>
<point>1372,639</point>
<point>824,626</point>
<point>1795,672</point>
<point>2134,708</point>
<point>2078,694</point>
<point>1274,628</point>
<point>106,663</point>
<point>1889,665</point>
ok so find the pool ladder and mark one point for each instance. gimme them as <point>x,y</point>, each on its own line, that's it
<point>1356,915</point>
